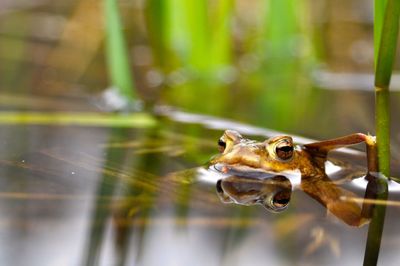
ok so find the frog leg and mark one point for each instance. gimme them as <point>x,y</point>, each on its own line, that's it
<point>323,147</point>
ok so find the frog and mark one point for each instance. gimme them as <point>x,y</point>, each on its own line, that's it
<point>248,165</point>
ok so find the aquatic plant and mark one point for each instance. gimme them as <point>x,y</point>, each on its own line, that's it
<point>385,41</point>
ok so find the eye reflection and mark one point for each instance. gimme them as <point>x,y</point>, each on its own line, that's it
<point>277,202</point>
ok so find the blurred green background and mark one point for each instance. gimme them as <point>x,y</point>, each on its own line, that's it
<point>295,66</point>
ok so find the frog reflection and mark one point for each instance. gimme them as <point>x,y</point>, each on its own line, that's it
<point>241,157</point>
<point>272,192</point>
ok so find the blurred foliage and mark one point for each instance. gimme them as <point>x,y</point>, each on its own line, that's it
<point>117,53</point>
<point>254,61</point>
<point>193,43</point>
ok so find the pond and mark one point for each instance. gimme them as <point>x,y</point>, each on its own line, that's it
<point>89,180</point>
<point>79,195</point>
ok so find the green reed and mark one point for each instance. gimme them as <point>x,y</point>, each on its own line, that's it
<point>157,25</point>
<point>195,39</point>
<point>117,53</point>
<point>288,52</point>
<point>199,34</point>
<point>385,40</point>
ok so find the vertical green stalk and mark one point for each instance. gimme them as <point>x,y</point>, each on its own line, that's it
<point>221,34</point>
<point>199,33</point>
<point>196,19</point>
<point>117,53</point>
<point>383,71</point>
<point>156,12</point>
<point>282,27</point>
<point>379,13</point>
<point>385,41</point>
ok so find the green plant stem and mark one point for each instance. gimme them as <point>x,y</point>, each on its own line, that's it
<point>383,72</point>
<point>117,53</point>
<point>385,41</point>
<point>379,12</point>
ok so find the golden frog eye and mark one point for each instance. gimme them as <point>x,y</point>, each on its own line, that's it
<point>284,150</point>
<point>221,145</point>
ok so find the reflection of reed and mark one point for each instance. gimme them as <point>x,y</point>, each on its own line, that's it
<point>100,217</point>
<point>134,177</point>
<point>132,196</point>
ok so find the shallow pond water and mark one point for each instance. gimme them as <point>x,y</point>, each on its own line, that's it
<point>80,185</point>
<point>74,195</point>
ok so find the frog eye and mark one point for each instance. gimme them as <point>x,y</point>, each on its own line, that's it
<point>284,150</point>
<point>221,145</point>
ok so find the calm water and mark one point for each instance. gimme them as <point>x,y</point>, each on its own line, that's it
<point>75,195</point>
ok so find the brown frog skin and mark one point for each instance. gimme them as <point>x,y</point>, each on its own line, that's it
<point>279,155</point>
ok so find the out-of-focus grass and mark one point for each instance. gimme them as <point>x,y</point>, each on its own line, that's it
<point>157,30</point>
<point>117,53</point>
<point>136,120</point>
<point>288,52</point>
<point>197,35</point>
<point>195,38</point>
